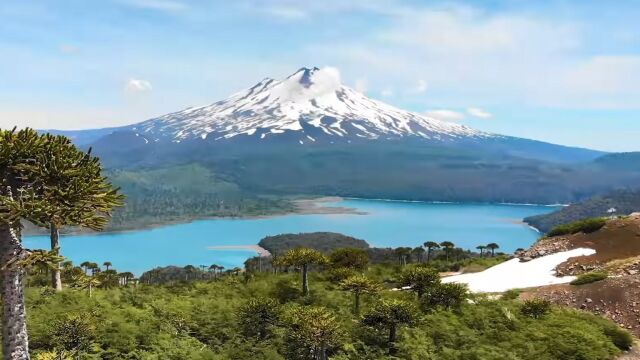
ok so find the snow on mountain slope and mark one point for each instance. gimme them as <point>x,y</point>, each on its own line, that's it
<point>312,105</point>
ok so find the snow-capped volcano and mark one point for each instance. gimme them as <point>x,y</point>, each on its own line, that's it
<point>308,106</point>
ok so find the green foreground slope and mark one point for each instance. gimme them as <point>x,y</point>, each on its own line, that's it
<point>201,320</point>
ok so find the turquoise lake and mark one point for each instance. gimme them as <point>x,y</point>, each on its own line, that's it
<point>386,224</point>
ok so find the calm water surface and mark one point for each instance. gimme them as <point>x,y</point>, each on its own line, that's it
<point>387,224</point>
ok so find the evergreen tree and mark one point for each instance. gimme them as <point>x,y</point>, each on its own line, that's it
<point>18,200</point>
<point>447,246</point>
<point>493,247</point>
<point>420,279</point>
<point>358,285</point>
<point>391,314</point>
<point>302,258</point>
<point>430,245</point>
<point>76,192</point>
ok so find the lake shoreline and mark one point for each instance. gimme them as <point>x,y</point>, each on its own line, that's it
<point>308,206</point>
<point>303,206</point>
<point>388,225</point>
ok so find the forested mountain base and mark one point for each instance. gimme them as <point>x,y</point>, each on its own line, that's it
<point>184,193</point>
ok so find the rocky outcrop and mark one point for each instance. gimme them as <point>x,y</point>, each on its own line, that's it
<point>616,298</point>
<point>545,246</point>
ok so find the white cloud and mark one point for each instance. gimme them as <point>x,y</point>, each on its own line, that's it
<point>137,86</point>
<point>494,58</point>
<point>296,10</point>
<point>286,12</point>
<point>361,85</point>
<point>160,5</point>
<point>386,92</point>
<point>479,113</point>
<point>445,115</point>
<point>68,49</point>
<point>323,81</point>
<point>422,86</point>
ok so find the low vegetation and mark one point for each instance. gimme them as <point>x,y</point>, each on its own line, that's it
<point>264,315</point>
<point>586,226</point>
<point>589,278</point>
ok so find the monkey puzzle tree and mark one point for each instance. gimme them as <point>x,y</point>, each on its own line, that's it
<point>402,253</point>
<point>390,314</point>
<point>493,247</point>
<point>350,258</point>
<point>311,332</point>
<point>481,248</point>
<point>430,245</point>
<point>420,279</point>
<point>71,182</point>
<point>18,200</point>
<point>258,317</point>
<point>358,285</point>
<point>33,188</point>
<point>447,246</point>
<point>302,258</point>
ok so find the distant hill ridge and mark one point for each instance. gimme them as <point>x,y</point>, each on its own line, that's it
<point>624,202</point>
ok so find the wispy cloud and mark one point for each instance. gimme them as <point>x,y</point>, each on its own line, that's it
<point>471,55</point>
<point>362,85</point>
<point>286,12</point>
<point>421,87</point>
<point>68,49</point>
<point>445,115</point>
<point>479,113</point>
<point>134,86</point>
<point>159,5</point>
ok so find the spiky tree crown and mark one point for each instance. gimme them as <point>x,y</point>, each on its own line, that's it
<point>360,284</point>
<point>52,181</point>
<point>302,256</point>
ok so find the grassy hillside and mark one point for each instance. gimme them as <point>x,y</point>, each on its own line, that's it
<point>263,316</point>
<point>624,201</point>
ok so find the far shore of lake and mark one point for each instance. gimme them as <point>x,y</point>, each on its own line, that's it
<point>257,248</point>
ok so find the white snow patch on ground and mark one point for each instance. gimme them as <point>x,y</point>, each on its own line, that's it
<point>514,274</point>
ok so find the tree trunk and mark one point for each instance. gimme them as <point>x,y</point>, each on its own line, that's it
<point>428,254</point>
<point>56,279</point>
<point>305,280</point>
<point>15,341</point>
<point>392,340</point>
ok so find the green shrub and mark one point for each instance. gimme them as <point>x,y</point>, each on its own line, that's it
<point>589,278</point>
<point>620,337</point>
<point>511,294</point>
<point>535,308</point>
<point>286,290</point>
<point>339,274</point>
<point>444,296</point>
<point>257,317</point>
<point>586,226</point>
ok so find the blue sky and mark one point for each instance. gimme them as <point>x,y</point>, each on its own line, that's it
<point>561,71</point>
